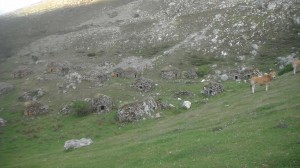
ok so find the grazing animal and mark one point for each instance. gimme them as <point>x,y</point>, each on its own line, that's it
<point>296,63</point>
<point>262,80</point>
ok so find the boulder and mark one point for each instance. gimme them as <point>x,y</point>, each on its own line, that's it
<point>5,87</point>
<point>186,104</point>
<point>77,143</point>
<point>2,122</point>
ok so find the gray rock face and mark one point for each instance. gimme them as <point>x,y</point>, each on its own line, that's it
<point>5,87</point>
<point>77,143</point>
<point>138,110</point>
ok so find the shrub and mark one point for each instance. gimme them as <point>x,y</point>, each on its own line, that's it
<point>286,69</point>
<point>81,108</point>
<point>203,70</point>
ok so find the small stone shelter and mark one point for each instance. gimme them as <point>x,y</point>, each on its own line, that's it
<point>129,73</point>
<point>102,104</point>
<point>244,74</point>
<point>143,84</point>
<point>190,74</point>
<point>170,72</point>
<point>21,72</point>
<point>212,88</point>
<point>58,68</point>
<point>35,108</point>
<point>138,110</point>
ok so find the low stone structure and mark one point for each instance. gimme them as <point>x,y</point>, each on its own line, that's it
<point>143,84</point>
<point>21,72</point>
<point>138,110</point>
<point>102,104</point>
<point>212,88</point>
<point>58,68</point>
<point>5,87</point>
<point>32,95</point>
<point>35,108</point>
<point>244,74</point>
<point>129,72</point>
<point>190,74</point>
<point>170,72</point>
<point>77,143</point>
<point>183,94</point>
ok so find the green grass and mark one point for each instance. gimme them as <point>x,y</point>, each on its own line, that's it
<point>234,129</point>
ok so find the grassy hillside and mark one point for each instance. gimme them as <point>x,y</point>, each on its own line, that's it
<point>234,129</point>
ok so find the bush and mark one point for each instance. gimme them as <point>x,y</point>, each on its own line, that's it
<point>203,70</point>
<point>286,69</point>
<point>81,108</point>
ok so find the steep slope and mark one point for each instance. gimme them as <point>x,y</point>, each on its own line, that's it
<point>235,129</point>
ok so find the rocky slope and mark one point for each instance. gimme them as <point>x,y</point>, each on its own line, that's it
<point>105,35</point>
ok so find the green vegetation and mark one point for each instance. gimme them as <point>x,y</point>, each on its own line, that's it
<point>233,129</point>
<point>81,108</point>
<point>286,69</point>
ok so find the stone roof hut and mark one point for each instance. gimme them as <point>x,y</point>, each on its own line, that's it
<point>117,72</point>
<point>190,74</point>
<point>212,88</point>
<point>244,74</point>
<point>102,104</point>
<point>21,72</point>
<point>58,68</point>
<point>138,110</point>
<point>143,84</point>
<point>35,108</point>
<point>129,73</point>
<point>170,72</point>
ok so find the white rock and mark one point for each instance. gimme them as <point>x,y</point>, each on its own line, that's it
<point>186,104</point>
<point>77,143</point>
<point>2,122</point>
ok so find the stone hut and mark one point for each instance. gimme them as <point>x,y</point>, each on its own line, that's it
<point>190,74</point>
<point>21,72</point>
<point>102,104</point>
<point>117,72</point>
<point>143,84</point>
<point>244,74</point>
<point>170,72</point>
<point>212,88</point>
<point>129,73</point>
<point>58,68</point>
<point>138,111</point>
<point>35,108</point>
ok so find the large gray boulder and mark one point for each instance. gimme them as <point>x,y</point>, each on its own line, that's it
<point>77,143</point>
<point>5,87</point>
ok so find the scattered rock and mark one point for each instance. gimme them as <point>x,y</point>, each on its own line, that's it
<point>77,143</point>
<point>66,109</point>
<point>5,87</point>
<point>224,77</point>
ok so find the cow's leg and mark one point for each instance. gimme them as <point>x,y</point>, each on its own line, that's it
<point>266,87</point>
<point>253,88</point>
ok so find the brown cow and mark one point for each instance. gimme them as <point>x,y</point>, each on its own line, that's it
<point>262,80</point>
<point>296,63</point>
